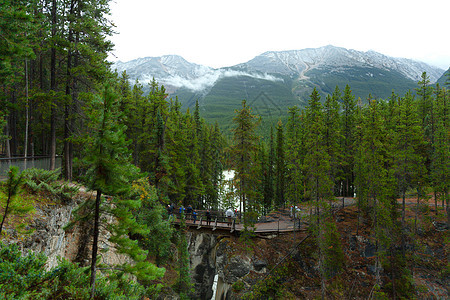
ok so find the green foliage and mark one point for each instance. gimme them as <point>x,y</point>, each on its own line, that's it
<point>243,154</point>
<point>280,167</point>
<point>12,187</point>
<point>26,277</point>
<point>238,286</point>
<point>46,182</point>
<point>153,215</point>
<point>183,285</point>
<point>333,253</point>
<point>268,99</point>
<point>272,286</point>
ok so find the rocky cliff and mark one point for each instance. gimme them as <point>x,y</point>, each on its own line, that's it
<point>49,237</point>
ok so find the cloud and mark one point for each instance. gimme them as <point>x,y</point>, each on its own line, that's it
<point>208,79</point>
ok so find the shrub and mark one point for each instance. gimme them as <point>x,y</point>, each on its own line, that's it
<point>25,277</point>
<point>44,181</point>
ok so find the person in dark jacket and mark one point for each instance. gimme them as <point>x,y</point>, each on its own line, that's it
<point>208,217</point>
<point>194,215</point>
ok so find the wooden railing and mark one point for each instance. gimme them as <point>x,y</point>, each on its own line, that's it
<point>216,221</point>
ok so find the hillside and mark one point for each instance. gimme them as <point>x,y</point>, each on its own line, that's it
<point>444,78</point>
<point>273,81</point>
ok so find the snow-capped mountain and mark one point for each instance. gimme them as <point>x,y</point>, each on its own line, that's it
<point>275,80</point>
<point>176,72</point>
<point>300,61</point>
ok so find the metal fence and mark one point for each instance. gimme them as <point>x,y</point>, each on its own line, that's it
<point>38,162</point>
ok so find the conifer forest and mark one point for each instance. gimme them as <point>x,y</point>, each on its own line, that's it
<point>135,154</point>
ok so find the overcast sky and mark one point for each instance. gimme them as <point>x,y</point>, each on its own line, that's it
<point>220,33</point>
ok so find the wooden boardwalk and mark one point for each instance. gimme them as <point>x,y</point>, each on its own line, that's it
<point>221,224</point>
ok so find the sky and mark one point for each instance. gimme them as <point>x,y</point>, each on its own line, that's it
<point>219,33</point>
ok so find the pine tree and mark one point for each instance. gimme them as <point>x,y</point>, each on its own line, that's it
<point>294,156</point>
<point>376,193</point>
<point>347,143</point>
<point>243,151</point>
<point>333,136</point>
<point>440,160</point>
<point>280,168</point>
<point>424,92</point>
<point>13,207</point>
<point>317,160</point>
<point>110,174</point>
<point>408,162</point>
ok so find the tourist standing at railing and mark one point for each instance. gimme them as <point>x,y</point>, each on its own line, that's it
<point>188,211</point>
<point>208,217</point>
<point>168,211</point>
<point>229,214</point>
<point>181,211</point>
<point>194,215</point>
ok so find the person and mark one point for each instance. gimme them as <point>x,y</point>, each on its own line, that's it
<point>208,217</point>
<point>188,210</point>
<point>297,212</point>
<point>170,211</point>
<point>181,211</point>
<point>229,214</point>
<point>194,215</point>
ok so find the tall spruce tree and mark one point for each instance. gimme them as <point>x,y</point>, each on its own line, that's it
<point>408,141</point>
<point>317,159</point>
<point>294,156</point>
<point>110,174</point>
<point>333,136</point>
<point>280,167</point>
<point>243,152</point>
<point>440,160</point>
<point>347,143</point>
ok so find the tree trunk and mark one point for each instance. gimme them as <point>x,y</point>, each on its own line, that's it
<point>68,104</point>
<point>13,125</point>
<point>95,242</point>
<point>435,203</point>
<point>25,151</point>
<point>53,88</point>
<point>8,201</point>
<point>403,221</point>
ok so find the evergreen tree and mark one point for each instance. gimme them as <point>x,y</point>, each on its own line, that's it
<point>347,143</point>
<point>110,174</point>
<point>333,136</point>
<point>268,194</point>
<point>13,207</point>
<point>408,162</point>
<point>294,156</point>
<point>376,192</point>
<point>280,168</point>
<point>243,151</point>
<point>440,160</point>
<point>317,160</point>
<point>424,92</point>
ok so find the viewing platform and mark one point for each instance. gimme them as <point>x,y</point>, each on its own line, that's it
<point>266,225</point>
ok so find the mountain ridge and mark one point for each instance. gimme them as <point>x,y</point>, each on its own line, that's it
<point>275,80</point>
<point>294,61</point>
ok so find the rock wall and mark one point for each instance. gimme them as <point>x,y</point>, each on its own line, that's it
<point>50,238</point>
<point>211,255</point>
<point>202,263</point>
<point>235,266</point>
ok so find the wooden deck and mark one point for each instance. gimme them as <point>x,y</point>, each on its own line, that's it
<point>222,225</point>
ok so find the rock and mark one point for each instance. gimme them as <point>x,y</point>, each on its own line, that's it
<point>202,263</point>
<point>259,264</point>
<point>237,268</point>
<point>50,238</point>
<point>369,250</point>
